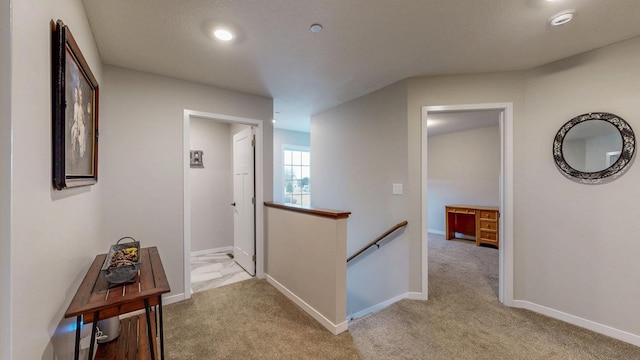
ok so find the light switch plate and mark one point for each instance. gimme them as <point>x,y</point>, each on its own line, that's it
<point>397,189</point>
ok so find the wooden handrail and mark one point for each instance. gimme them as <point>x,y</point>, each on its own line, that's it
<point>378,239</point>
<point>334,214</point>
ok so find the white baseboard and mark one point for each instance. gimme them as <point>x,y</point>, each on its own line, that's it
<point>211,251</point>
<point>464,236</point>
<point>173,299</point>
<point>333,328</point>
<point>417,295</point>
<point>378,307</point>
<point>578,321</point>
<point>456,235</point>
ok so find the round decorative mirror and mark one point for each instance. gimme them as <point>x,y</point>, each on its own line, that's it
<point>594,148</point>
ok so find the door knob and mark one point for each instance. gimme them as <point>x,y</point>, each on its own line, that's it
<point>233,204</point>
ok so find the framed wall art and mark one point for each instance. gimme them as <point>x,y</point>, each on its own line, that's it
<point>74,113</point>
<point>196,159</point>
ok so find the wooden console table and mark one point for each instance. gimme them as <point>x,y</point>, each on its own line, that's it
<point>479,221</point>
<point>95,301</point>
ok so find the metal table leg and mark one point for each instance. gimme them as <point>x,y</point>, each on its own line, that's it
<point>161,327</point>
<point>149,330</point>
<point>76,352</point>
<point>93,335</point>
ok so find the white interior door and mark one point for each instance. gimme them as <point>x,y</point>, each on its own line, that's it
<point>243,196</point>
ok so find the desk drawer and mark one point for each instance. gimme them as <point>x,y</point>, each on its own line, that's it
<point>462,211</point>
<point>488,225</point>
<point>487,235</point>
<point>491,215</point>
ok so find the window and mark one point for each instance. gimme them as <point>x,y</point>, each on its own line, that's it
<point>297,170</point>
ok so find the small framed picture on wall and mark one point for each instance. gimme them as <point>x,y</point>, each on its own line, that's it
<point>196,159</point>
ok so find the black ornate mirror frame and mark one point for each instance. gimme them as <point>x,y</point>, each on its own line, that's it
<point>612,172</point>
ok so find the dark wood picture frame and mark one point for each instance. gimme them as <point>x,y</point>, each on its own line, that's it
<point>74,94</point>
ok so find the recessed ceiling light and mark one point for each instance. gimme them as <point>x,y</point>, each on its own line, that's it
<point>273,121</point>
<point>562,18</point>
<point>315,28</point>
<point>223,34</point>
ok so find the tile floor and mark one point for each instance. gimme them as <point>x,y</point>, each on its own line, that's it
<point>213,270</point>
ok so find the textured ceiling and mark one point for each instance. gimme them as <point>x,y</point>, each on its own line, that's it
<point>365,44</point>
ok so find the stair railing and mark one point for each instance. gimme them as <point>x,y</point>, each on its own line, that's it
<point>378,240</point>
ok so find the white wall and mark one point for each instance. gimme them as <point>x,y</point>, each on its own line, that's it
<point>573,253</point>
<point>307,256</point>
<point>464,168</point>
<point>358,151</point>
<point>54,234</point>
<point>576,249</point>
<point>280,139</point>
<point>211,186</point>
<point>142,154</point>
<point>574,152</point>
<point>236,128</point>
<point>597,148</point>
<point>5,177</point>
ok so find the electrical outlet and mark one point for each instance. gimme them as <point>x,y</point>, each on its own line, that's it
<point>397,189</point>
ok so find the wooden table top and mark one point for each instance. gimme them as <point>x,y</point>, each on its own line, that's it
<point>94,294</point>
<point>492,208</point>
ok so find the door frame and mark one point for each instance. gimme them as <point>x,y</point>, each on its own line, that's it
<point>259,186</point>
<point>505,282</point>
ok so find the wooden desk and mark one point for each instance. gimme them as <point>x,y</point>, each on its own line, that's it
<point>479,221</point>
<point>95,301</point>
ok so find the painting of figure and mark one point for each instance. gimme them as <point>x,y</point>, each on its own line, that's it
<point>79,127</point>
<point>74,120</point>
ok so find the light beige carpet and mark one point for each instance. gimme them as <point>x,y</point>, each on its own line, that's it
<point>462,320</point>
<point>248,320</point>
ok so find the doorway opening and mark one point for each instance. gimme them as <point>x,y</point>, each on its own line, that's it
<point>504,111</point>
<point>223,256</point>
